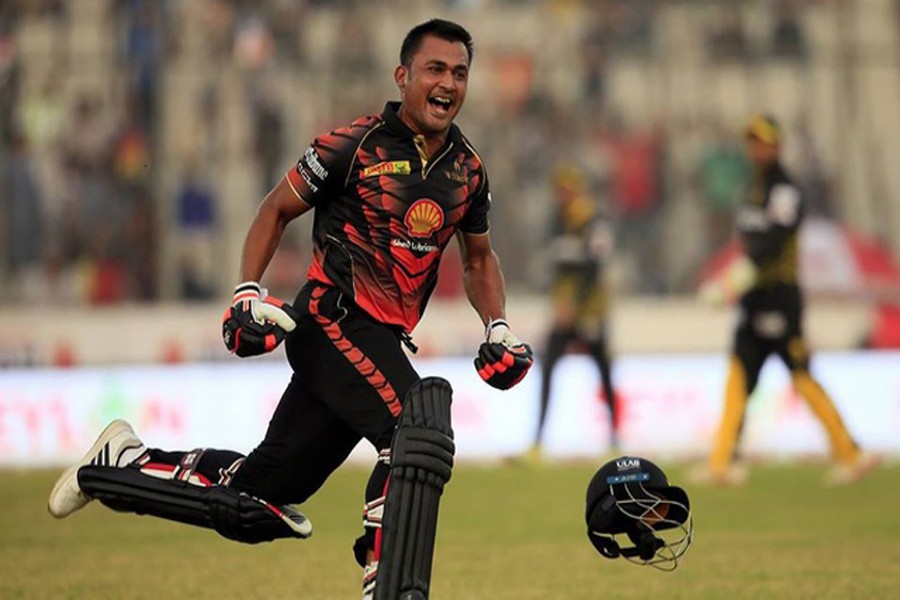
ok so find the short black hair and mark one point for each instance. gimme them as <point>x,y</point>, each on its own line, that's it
<point>446,30</point>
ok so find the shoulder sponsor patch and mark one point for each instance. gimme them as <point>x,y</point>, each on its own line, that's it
<point>395,167</point>
<point>315,163</point>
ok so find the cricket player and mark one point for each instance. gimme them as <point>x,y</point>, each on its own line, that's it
<point>771,313</point>
<point>388,193</point>
<point>580,247</point>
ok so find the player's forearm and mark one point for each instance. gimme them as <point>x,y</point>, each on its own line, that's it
<point>485,287</point>
<point>261,242</point>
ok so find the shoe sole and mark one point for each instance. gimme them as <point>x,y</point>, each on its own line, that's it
<point>101,440</point>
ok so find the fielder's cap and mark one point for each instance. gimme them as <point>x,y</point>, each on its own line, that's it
<point>569,176</point>
<point>632,478</point>
<point>764,128</point>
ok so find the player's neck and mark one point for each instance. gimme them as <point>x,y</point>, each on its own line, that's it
<point>434,141</point>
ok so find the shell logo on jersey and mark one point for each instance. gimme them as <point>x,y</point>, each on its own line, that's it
<point>423,218</point>
<point>395,167</point>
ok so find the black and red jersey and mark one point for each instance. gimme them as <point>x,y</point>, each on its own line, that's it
<point>385,211</point>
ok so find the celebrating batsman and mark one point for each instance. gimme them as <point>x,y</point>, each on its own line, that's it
<point>389,191</point>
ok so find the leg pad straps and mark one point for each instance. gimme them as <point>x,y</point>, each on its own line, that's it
<point>421,464</point>
<point>234,515</point>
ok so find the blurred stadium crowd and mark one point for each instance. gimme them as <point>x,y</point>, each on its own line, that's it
<point>137,136</point>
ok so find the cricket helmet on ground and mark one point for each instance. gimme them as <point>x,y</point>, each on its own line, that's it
<point>629,499</point>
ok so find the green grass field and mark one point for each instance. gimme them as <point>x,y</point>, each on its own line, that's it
<point>505,533</point>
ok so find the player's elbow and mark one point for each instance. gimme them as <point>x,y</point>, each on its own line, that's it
<point>481,262</point>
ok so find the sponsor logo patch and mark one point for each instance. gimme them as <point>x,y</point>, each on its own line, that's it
<point>423,218</point>
<point>307,178</point>
<point>414,245</point>
<point>396,167</point>
<point>315,163</point>
<point>628,463</point>
<point>459,172</point>
<point>627,478</point>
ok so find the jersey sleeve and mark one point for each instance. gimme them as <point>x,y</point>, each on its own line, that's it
<point>323,167</point>
<point>476,219</point>
<point>766,231</point>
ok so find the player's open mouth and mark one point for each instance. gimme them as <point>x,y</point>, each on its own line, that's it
<point>442,103</point>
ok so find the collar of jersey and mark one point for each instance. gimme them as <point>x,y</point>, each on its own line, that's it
<point>392,120</point>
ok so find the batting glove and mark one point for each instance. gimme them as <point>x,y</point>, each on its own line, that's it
<point>255,325</point>
<point>503,360</point>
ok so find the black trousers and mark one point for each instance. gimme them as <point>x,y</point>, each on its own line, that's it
<point>350,376</point>
<point>771,323</point>
<point>557,341</point>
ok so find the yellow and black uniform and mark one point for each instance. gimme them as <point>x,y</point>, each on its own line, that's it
<point>771,310</point>
<point>580,246</point>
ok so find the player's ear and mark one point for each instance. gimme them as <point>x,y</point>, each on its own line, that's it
<point>400,76</point>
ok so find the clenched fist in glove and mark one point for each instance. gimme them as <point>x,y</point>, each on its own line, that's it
<point>254,325</point>
<point>503,360</point>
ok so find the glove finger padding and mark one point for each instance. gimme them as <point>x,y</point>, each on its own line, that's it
<point>502,366</point>
<point>245,336</point>
<point>279,312</point>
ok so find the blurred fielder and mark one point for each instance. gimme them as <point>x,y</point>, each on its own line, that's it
<point>389,193</point>
<point>771,314</point>
<point>581,246</point>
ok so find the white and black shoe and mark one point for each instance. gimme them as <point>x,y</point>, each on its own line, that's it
<point>296,520</point>
<point>370,573</point>
<point>116,446</point>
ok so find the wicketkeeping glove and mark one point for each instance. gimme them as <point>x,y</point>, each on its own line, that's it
<point>254,325</point>
<point>503,360</point>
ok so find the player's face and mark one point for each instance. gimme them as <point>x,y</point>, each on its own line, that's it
<point>760,152</point>
<point>433,86</point>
